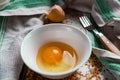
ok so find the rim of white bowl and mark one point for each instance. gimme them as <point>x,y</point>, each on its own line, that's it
<point>64,72</point>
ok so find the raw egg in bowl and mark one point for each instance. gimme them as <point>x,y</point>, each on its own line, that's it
<point>55,50</point>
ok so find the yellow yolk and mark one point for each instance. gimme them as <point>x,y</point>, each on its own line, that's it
<point>52,55</point>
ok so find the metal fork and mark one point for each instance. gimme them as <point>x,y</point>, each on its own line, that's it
<point>104,40</point>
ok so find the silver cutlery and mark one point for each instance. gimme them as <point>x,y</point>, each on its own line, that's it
<point>104,40</point>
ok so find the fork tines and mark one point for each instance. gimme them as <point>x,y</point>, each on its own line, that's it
<point>85,21</point>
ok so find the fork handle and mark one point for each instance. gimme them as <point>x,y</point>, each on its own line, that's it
<point>108,44</point>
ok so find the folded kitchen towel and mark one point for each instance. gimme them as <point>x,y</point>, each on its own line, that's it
<point>109,60</point>
<point>24,7</point>
<point>107,12</point>
<point>13,30</point>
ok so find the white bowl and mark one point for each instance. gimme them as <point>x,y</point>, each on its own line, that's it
<point>55,32</point>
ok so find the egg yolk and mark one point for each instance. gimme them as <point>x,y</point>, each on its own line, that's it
<point>52,55</point>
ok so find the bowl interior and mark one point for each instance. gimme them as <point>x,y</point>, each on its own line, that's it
<point>55,33</point>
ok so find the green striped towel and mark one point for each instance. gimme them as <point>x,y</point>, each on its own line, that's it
<point>2,29</point>
<point>108,12</point>
<point>104,11</point>
<point>24,7</point>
